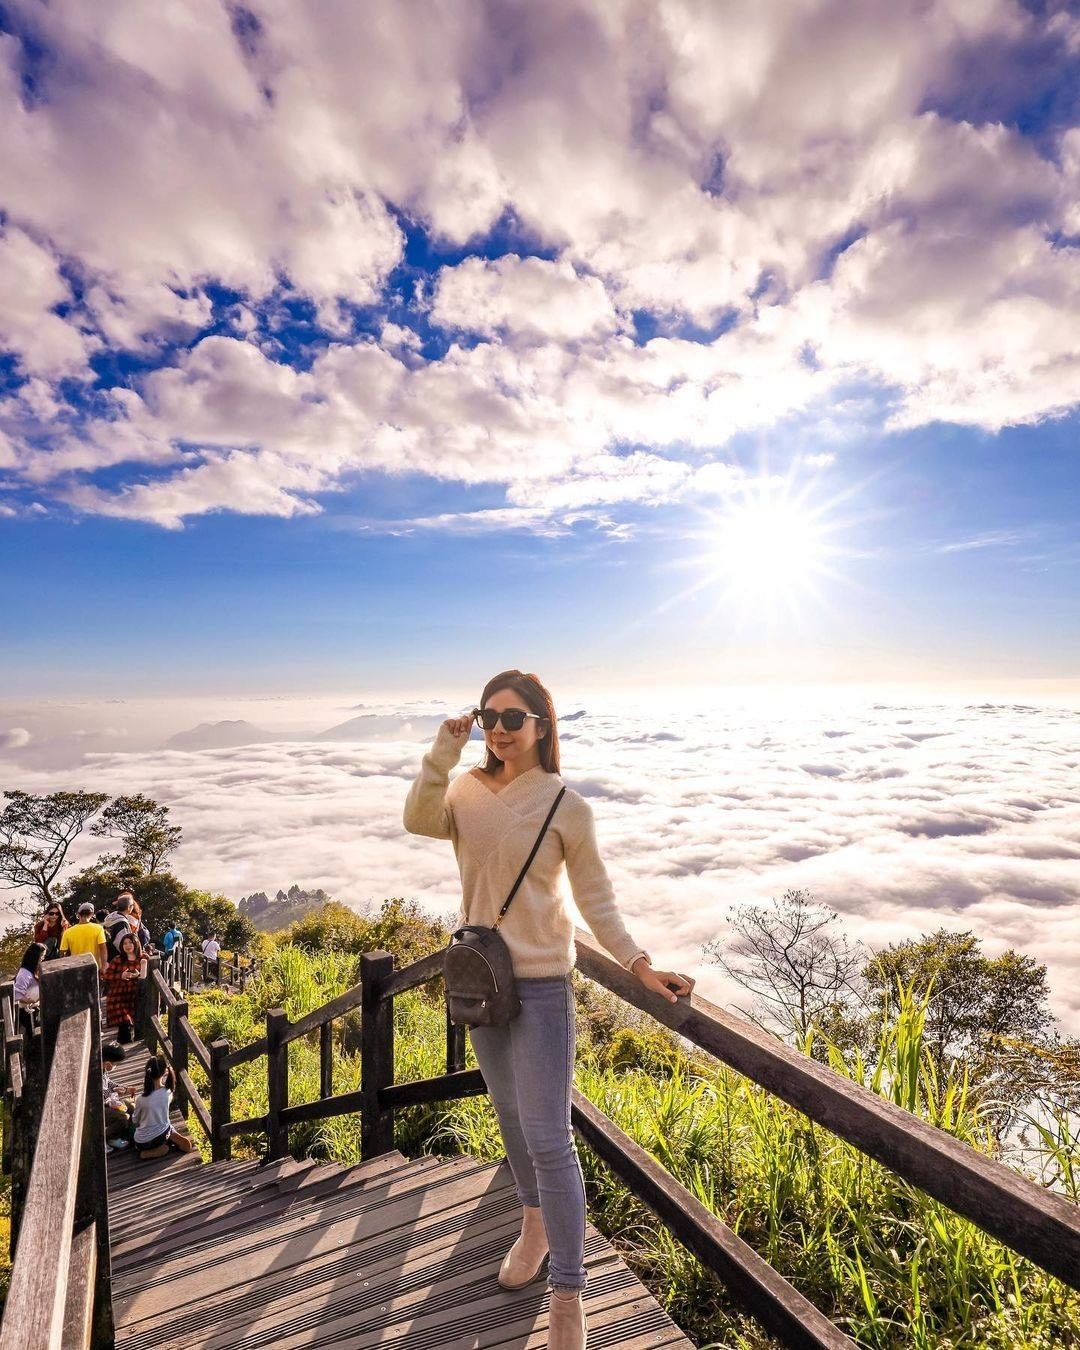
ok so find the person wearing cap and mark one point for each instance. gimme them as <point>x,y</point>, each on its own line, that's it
<point>85,936</point>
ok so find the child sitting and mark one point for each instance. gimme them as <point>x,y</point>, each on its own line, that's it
<point>154,1132</point>
<point>117,1103</point>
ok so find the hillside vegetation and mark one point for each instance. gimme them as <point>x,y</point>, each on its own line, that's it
<point>889,1265</point>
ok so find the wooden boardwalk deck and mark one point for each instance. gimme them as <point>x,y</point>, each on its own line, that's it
<point>394,1252</point>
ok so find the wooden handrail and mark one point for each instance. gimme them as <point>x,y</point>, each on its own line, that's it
<point>336,1007</point>
<point>1035,1222</point>
<point>245,1054</point>
<point>195,1042</point>
<point>60,1293</point>
<point>756,1286</point>
<point>37,1299</point>
<point>1023,1215</point>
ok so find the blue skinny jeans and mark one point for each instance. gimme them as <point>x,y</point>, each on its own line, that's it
<point>528,1066</point>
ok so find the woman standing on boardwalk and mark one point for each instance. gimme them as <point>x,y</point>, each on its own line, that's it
<point>121,980</point>
<point>49,929</point>
<point>492,815</point>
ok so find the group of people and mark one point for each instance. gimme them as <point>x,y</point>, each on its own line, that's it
<point>120,942</point>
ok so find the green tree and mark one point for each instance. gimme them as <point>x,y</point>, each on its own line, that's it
<point>143,827</point>
<point>989,1014</point>
<point>36,833</point>
<point>164,900</point>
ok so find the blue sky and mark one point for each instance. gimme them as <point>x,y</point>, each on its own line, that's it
<point>339,354</point>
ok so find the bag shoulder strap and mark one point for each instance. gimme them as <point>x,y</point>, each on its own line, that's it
<point>532,855</point>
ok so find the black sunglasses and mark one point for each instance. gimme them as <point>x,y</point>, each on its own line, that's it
<point>513,719</point>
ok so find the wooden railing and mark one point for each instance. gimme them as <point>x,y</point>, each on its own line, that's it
<point>1034,1222</point>
<point>60,1292</point>
<point>186,967</point>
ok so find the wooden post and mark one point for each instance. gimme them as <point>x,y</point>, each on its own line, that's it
<point>326,1060</point>
<point>180,1053</point>
<point>277,1085</point>
<point>26,1117</point>
<point>68,985</point>
<point>376,1055</point>
<point>220,1101</point>
<point>455,1046</point>
<point>148,1004</point>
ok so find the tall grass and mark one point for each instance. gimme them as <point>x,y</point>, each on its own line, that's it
<point>890,1265</point>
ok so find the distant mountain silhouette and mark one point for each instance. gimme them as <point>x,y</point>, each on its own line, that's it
<point>219,736</point>
<point>376,727</point>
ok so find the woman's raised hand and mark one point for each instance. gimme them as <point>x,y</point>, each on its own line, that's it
<point>460,728</point>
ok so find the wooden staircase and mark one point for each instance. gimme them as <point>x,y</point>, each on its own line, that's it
<point>392,1252</point>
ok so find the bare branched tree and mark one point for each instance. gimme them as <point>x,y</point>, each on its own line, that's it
<point>35,835</point>
<point>790,957</point>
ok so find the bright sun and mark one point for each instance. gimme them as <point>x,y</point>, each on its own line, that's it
<point>769,551</point>
<point>764,559</point>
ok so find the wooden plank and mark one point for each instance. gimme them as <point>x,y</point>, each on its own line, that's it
<point>277,1083</point>
<point>82,1274</point>
<point>416,973</point>
<point>336,1007</point>
<point>37,1297</point>
<point>376,1053</point>
<point>164,989</point>
<point>220,1100</point>
<point>1030,1219</point>
<point>195,1043</point>
<point>195,1101</point>
<point>464,1083</point>
<point>326,1060</point>
<point>374,1248</point>
<point>407,1207</point>
<point>245,1054</point>
<point>754,1284</point>
<point>271,1211</point>
<point>250,1125</point>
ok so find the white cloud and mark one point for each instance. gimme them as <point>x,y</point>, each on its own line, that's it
<point>706,167</point>
<point>523,297</point>
<point>15,738</point>
<point>926,814</point>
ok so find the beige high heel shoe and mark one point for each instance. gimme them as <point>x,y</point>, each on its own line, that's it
<point>566,1321</point>
<point>523,1262</point>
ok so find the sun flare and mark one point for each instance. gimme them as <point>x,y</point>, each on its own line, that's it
<point>768,550</point>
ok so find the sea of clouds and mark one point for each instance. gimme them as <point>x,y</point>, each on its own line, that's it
<point>902,816</point>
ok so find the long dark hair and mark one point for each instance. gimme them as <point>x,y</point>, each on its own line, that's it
<point>31,958</point>
<point>538,700</point>
<point>120,948</point>
<point>155,1069</point>
<point>61,920</point>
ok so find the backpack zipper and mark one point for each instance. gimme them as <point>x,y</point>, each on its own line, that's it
<point>473,952</point>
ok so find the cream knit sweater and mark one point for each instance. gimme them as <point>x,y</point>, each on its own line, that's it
<point>493,833</point>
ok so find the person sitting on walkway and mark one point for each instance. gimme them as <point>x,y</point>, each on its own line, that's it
<point>118,1103</point>
<point>84,935</point>
<point>49,929</point>
<point>154,1132</point>
<point>27,990</point>
<point>121,980</point>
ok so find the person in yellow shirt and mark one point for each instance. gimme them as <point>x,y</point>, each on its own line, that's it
<point>85,936</point>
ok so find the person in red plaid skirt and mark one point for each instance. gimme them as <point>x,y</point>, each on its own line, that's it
<point>121,981</point>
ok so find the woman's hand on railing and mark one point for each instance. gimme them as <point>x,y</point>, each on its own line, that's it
<point>662,981</point>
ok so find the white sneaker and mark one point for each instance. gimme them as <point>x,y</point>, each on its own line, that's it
<point>119,1144</point>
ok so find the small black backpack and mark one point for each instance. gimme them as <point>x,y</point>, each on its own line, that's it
<point>478,972</point>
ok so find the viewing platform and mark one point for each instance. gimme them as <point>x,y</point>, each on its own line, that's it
<point>395,1251</point>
